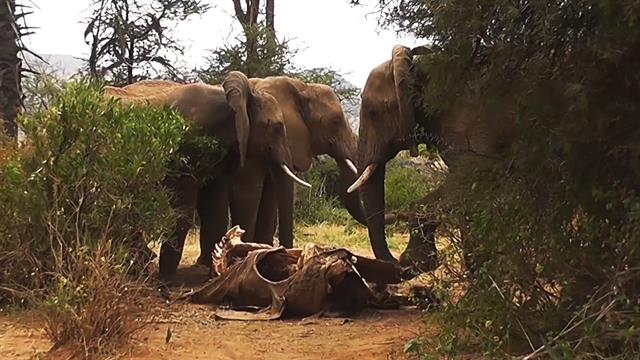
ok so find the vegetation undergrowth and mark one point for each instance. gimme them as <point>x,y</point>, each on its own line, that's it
<point>321,204</point>
<point>550,223</point>
<point>80,198</point>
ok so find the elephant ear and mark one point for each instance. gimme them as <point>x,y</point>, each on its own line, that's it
<point>401,61</point>
<point>238,92</point>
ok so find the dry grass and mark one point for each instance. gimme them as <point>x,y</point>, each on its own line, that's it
<point>93,310</point>
<point>354,238</point>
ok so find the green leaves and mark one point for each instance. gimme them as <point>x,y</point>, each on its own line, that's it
<point>552,222</point>
<point>91,171</point>
<point>258,53</point>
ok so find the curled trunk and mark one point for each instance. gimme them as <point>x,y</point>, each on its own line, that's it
<point>351,201</point>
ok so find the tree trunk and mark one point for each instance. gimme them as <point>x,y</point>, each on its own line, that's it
<point>132,50</point>
<point>10,64</point>
<point>249,19</point>
<point>270,15</point>
<point>252,12</point>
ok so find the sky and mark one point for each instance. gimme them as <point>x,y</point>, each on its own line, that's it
<point>329,33</point>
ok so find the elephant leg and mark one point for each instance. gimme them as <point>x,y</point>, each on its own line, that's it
<point>421,252</point>
<point>185,192</point>
<point>266,222</point>
<point>213,204</point>
<point>245,197</point>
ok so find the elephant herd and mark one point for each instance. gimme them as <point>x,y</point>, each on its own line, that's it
<point>275,126</point>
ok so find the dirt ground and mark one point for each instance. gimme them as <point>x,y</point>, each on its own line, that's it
<point>196,334</point>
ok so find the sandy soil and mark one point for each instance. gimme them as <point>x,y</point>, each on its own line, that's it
<point>195,334</point>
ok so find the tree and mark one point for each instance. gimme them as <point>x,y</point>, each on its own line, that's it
<point>257,52</point>
<point>560,205</point>
<point>10,66</point>
<point>345,90</point>
<point>129,37</point>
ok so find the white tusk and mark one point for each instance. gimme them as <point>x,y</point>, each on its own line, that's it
<point>366,174</point>
<point>352,166</point>
<point>287,171</point>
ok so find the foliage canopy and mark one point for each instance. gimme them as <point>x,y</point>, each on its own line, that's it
<point>555,221</point>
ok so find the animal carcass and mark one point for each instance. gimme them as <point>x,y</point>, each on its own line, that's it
<point>261,282</point>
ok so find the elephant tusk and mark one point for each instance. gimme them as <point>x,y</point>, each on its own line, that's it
<point>352,166</point>
<point>366,174</point>
<point>287,171</point>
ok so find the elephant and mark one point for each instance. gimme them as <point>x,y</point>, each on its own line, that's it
<point>248,122</point>
<point>389,120</point>
<point>315,124</point>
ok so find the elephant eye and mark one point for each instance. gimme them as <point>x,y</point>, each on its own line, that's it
<point>278,126</point>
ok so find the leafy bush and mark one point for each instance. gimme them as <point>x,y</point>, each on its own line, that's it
<point>551,228</point>
<point>320,203</point>
<point>80,201</point>
<point>404,185</point>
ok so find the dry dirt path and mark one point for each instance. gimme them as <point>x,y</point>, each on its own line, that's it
<point>195,334</point>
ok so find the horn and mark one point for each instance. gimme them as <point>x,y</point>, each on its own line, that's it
<point>352,166</point>
<point>287,171</point>
<point>366,174</point>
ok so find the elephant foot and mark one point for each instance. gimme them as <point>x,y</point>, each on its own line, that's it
<point>420,254</point>
<point>168,264</point>
<point>390,218</point>
<point>204,260</point>
<point>167,278</point>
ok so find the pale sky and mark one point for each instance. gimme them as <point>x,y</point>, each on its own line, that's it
<point>328,33</point>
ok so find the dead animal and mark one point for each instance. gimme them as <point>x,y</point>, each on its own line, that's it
<point>262,282</point>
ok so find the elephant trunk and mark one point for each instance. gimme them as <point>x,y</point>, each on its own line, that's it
<point>351,201</point>
<point>373,197</point>
<point>284,193</point>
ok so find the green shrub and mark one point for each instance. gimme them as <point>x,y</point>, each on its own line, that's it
<point>403,186</point>
<point>551,225</point>
<point>79,202</point>
<point>320,203</point>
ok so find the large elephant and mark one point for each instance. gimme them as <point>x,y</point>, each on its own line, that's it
<point>316,125</point>
<point>245,120</point>
<point>388,123</point>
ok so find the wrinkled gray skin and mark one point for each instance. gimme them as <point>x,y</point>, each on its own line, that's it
<point>387,121</point>
<point>316,125</point>
<point>247,121</point>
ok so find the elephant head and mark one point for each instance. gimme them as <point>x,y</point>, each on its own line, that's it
<point>259,121</point>
<point>388,117</point>
<point>255,122</point>
<point>316,124</point>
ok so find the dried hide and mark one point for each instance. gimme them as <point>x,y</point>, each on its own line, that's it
<point>262,282</point>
